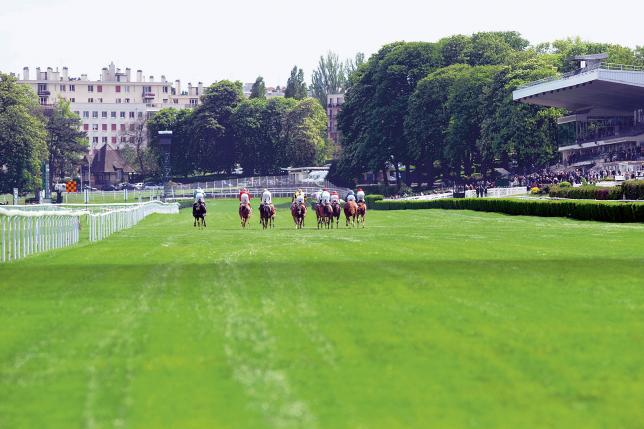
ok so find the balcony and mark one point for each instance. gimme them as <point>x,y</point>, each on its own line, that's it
<point>148,95</point>
<point>44,92</point>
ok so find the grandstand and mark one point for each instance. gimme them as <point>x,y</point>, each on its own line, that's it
<point>605,102</point>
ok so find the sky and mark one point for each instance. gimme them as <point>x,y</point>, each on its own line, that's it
<point>211,40</point>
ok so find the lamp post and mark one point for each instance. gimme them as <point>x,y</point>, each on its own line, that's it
<point>165,141</point>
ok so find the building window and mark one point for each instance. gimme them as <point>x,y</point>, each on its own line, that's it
<point>122,127</point>
<point>86,127</point>
<point>118,100</point>
<point>193,101</point>
<point>94,127</point>
<point>99,88</point>
<point>62,88</point>
<point>113,114</point>
<point>43,100</point>
<point>122,115</point>
<point>113,127</point>
<point>103,139</point>
<point>100,100</point>
<point>104,127</point>
<point>94,114</point>
<point>175,100</point>
<point>132,115</point>
<point>127,88</point>
<point>127,100</point>
<point>103,114</point>
<point>85,114</point>
<point>165,89</point>
<point>118,88</point>
<point>147,89</point>
<point>90,100</point>
<point>140,115</point>
<point>72,99</point>
<point>123,139</point>
<point>131,127</point>
<point>42,87</point>
<point>90,88</point>
<point>113,140</point>
<point>72,88</point>
<point>95,140</point>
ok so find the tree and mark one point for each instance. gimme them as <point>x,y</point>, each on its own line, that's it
<point>295,86</point>
<point>66,144</point>
<point>305,134</point>
<point>23,135</point>
<point>328,78</point>
<point>183,153</point>
<point>351,65</point>
<point>137,152</point>
<point>259,88</point>
<point>247,123</point>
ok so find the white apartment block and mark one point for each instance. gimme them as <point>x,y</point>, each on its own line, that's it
<point>113,108</point>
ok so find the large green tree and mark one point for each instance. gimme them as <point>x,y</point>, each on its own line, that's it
<point>23,144</point>
<point>259,88</point>
<point>328,78</point>
<point>66,143</point>
<point>295,86</point>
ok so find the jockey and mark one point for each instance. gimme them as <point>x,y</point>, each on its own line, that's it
<point>244,197</point>
<point>335,198</point>
<point>360,195</point>
<point>350,196</point>
<point>300,198</point>
<point>325,197</point>
<point>199,194</point>
<point>267,197</point>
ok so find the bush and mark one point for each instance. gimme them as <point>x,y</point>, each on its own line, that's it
<point>633,189</point>
<point>369,199</point>
<point>582,210</point>
<point>586,192</point>
<point>565,184</point>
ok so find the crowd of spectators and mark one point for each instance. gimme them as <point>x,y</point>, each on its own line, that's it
<point>577,176</point>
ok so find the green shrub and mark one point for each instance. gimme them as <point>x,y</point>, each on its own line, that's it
<point>633,189</point>
<point>369,199</point>
<point>582,210</point>
<point>565,184</point>
<point>587,192</point>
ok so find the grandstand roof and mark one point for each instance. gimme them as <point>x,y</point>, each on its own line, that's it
<point>603,90</point>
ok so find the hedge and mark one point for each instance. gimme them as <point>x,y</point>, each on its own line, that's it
<point>582,210</point>
<point>630,190</point>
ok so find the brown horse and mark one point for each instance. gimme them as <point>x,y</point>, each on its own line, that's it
<point>362,212</point>
<point>350,212</point>
<point>267,216</point>
<point>298,211</point>
<point>336,211</point>
<point>324,214</point>
<point>244,214</point>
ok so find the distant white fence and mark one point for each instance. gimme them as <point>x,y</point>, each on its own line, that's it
<point>102,225</point>
<point>30,231</point>
<point>255,192</point>
<point>499,192</point>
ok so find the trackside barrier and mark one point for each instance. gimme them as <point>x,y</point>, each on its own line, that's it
<point>499,192</point>
<point>257,192</point>
<point>26,232</point>
<point>102,225</point>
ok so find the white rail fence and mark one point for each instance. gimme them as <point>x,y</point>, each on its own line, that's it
<point>102,225</point>
<point>26,232</point>
<point>499,192</point>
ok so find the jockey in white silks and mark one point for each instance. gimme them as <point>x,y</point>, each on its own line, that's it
<point>299,198</point>
<point>335,198</point>
<point>325,198</point>
<point>199,195</point>
<point>360,195</point>
<point>267,198</point>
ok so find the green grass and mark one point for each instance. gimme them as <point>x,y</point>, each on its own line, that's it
<point>425,318</point>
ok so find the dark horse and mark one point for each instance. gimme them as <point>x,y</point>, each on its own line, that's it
<point>199,213</point>
<point>298,211</point>
<point>267,216</point>
<point>244,214</point>
<point>324,213</point>
<point>336,212</point>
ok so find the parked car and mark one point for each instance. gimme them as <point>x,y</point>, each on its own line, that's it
<point>109,188</point>
<point>138,185</point>
<point>89,188</point>
<point>60,187</point>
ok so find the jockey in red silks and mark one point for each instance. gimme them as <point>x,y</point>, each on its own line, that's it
<point>360,195</point>
<point>244,197</point>
<point>335,198</point>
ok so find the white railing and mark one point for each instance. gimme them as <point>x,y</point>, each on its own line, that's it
<point>255,192</point>
<point>26,232</point>
<point>499,192</point>
<point>102,225</point>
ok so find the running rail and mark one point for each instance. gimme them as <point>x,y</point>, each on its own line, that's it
<point>102,225</point>
<point>26,232</point>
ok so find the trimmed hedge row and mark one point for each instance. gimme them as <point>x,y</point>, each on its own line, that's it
<point>586,192</point>
<point>630,190</point>
<point>582,210</point>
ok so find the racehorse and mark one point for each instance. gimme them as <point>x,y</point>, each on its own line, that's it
<point>244,214</point>
<point>336,211</point>
<point>362,212</point>
<point>350,212</point>
<point>298,211</point>
<point>324,213</point>
<point>267,216</point>
<point>199,213</point>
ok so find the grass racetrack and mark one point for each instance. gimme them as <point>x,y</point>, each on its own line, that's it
<point>425,318</point>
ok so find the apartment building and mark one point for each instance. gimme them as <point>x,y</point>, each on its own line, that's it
<point>112,109</point>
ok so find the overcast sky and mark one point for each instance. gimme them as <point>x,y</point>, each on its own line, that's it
<point>210,40</point>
